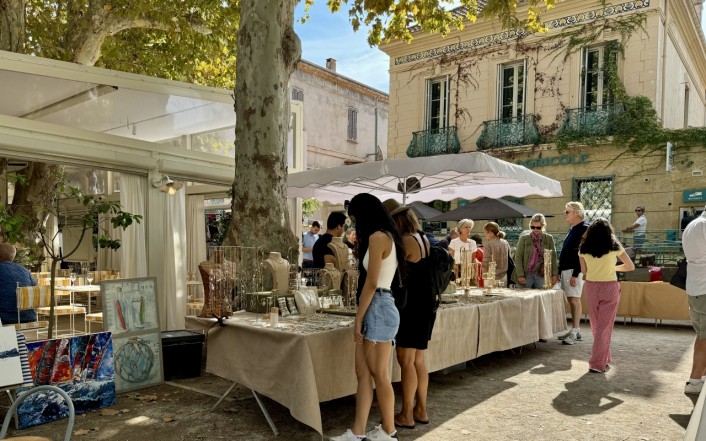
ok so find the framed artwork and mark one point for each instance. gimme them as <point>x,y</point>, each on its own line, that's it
<point>129,305</point>
<point>10,364</point>
<point>138,361</point>
<point>130,313</point>
<point>82,366</point>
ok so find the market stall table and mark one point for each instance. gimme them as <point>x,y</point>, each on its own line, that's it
<point>303,363</point>
<point>656,300</point>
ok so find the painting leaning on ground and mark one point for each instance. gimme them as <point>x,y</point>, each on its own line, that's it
<point>10,367</point>
<point>82,366</point>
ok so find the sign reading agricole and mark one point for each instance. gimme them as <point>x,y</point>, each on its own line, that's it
<point>554,160</point>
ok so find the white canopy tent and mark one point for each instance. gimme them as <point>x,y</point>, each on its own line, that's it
<point>444,177</point>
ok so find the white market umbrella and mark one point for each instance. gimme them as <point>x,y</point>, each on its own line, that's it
<point>443,177</point>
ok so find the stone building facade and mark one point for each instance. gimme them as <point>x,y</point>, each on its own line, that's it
<point>509,93</point>
<point>344,121</point>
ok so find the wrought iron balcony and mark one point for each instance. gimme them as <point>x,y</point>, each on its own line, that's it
<point>591,121</point>
<point>433,142</point>
<point>507,132</point>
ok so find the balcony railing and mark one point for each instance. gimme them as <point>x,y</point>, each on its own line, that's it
<point>591,121</point>
<point>507,132</point>
<point>433,142</point>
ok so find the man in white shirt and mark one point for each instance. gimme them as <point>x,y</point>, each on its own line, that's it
<point>694,244</point>
<point>639,228</point>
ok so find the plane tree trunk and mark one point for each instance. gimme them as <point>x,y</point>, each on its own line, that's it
<point>268,51</point>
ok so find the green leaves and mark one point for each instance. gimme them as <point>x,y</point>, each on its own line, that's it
<point>11,225</point>
<point>391,19</point>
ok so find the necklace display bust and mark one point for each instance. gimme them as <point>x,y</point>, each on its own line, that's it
<point>340,252</point>
<point>217,276</point>
<point>276,273</point>
<point>330,277</point>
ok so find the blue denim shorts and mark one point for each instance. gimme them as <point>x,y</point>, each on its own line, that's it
<point>382,318</point>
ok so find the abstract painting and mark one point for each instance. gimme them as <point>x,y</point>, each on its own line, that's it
<point>10,365</point>
<point>82,366</point>
<point>130,305</point>
<point>138,361</point>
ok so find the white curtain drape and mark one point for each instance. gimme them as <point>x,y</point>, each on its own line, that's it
<point>133,259</point>
<point>174,259</point>
<point>107,259</point>
<point>196,239</point>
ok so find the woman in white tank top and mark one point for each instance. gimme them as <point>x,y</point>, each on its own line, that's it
<point>377,318</point>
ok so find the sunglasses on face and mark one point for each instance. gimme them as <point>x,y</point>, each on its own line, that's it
<point>535,228</point>
<point>638,211</point>
<point>567,212</point>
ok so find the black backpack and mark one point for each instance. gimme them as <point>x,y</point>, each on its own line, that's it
<point>440,265</point>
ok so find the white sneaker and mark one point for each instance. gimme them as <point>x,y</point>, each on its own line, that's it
<point>348,436</point>
<point>563,337</point>
<point>693,389</point>
<point>379,434</point>
<point>572,339</point>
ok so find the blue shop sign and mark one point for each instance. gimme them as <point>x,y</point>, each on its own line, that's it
<point>554,160</point>
<point>695,195</point>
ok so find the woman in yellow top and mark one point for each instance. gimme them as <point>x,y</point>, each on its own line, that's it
<point>597,253</point>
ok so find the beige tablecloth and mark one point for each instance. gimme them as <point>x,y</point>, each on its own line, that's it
<point>657,300</point>
<point>301,370</point>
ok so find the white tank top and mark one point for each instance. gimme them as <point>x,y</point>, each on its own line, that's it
<point>388,267</point>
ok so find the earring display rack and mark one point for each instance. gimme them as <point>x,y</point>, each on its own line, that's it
<point>229,274</point>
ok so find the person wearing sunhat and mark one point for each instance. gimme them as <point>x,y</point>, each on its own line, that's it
<point>416,318</point>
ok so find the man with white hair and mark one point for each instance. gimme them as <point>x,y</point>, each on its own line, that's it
<point>13,275</point>
<point>694,244</point>
<point>570,268</point>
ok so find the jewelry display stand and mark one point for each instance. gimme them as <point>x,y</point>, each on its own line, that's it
<point>276,273</point>
<point>330,277</point>
<point>350,282</point>
<point>340,252</point>
<point>227,275</point>
<point>547,269</point>
<point>469,270</point>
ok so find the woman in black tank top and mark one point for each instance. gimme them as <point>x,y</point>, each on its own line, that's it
<point>416,319</point>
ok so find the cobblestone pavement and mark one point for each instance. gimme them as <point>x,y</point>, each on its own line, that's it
<point>542,393</point>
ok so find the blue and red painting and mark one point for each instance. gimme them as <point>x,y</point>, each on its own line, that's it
<point>82,366</point>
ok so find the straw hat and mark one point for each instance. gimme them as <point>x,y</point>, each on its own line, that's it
<point>393,207</point>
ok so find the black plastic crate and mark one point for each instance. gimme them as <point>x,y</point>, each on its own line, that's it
<point>181,352</point>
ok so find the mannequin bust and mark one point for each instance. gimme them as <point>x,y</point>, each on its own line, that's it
<point>276,273</point>
<point>330,277</point>
<point>221,272</point>
<point>340,252</point>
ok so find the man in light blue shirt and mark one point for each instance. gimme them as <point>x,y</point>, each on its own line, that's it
<point>308,240</point>
<point>13,275</point>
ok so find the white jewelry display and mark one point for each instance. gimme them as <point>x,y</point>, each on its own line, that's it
<point>278,270</point>
<point>307,300</point>
<point>340,252</point>
<point>331,277</point>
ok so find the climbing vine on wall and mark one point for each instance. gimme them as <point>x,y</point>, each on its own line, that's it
<point>634,129</point>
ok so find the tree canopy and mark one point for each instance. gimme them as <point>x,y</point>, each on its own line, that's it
<point>191,41</point>
<point>393,19</point>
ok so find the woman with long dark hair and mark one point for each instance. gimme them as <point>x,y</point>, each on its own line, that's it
<point>416,319</point>
<point>377,320</point>
<point>597,254</point>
